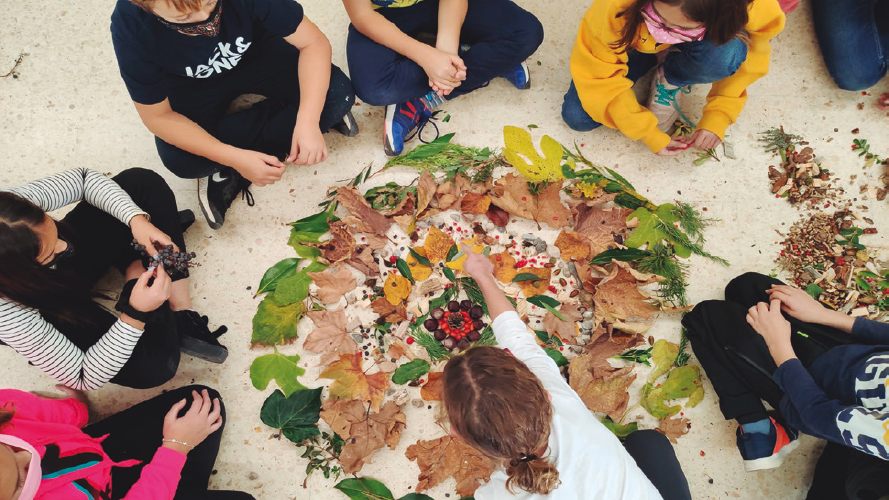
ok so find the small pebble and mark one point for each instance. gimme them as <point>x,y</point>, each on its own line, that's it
<point>253,476</point>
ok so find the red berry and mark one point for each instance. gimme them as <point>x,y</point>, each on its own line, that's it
<point>409,340</point>
<point>524,198</point>
<point>393,259</point>
<point>552,288</point>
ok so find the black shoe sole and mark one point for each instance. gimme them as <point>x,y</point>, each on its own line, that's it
<point>348,126</point>
<point>204,203</point>
<point>203,350</point>
<point>186,219</point>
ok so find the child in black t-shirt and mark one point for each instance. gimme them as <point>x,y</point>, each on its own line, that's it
<point>185,61</point>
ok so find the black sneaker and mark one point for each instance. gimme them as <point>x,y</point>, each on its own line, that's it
<point>196,339</point>
<point>217,192</point>
<point>186,219</point>
<point>347,126</point>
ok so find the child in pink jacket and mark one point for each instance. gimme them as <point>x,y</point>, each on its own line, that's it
<point>161,449</point>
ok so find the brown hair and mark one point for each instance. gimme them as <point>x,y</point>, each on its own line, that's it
<point>180,5</point>
<point>724,19</point>
<point>500,408</point>
<point>6,414</point>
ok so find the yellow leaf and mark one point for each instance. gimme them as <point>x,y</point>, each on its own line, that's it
<point>457,264</point>
<point>520,150</point>
<point>418,271</point>
<point>437,244</point>
<point>396,289</point>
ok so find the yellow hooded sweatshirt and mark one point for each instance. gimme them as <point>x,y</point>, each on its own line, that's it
<point>600,73</point>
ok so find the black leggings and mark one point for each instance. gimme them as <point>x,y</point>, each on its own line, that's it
<point>738,363</point>
<point>100,242</point>
<point>654,454</point>
<point>136,434</point>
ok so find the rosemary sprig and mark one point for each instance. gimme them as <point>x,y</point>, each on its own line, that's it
<point>663,263</point>
<point>691,221</point>
<point>682,358</point>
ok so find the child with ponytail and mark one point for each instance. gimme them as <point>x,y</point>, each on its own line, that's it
<point>691,42</point>
<point>513,405</point>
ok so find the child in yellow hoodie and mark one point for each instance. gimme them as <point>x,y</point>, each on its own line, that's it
<point>723,42</point>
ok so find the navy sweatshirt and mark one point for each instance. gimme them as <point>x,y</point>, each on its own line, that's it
<point>842,397</point>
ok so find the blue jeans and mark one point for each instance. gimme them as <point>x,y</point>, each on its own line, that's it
<point>853,35</point>
<point>501,35</point>
<point>689,64</point>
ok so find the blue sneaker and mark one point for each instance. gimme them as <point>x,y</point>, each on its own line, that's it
<point>766,451</point>
<point>403,122</point>
<point>520,77</point>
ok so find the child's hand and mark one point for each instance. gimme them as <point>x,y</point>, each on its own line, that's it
<point>146,298</point>
<point>259,168</point>
<point>768,321</point>
<point>445,71</point>
<point>476,264</point>
<point>704,139</point>
<point>676,146</point>
<point>308,146</point>
<point>146,234</point>
<point>797,303</point>
<point>201,420</point>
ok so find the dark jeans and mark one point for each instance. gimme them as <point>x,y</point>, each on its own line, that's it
<point>270,69</point>
<point>738,363</point>
<point>854,37</point>
<point>100,241</point>
<point>136,434</point>
<point>500,33</point>
<point>654,454</point>
<point>687,64</point>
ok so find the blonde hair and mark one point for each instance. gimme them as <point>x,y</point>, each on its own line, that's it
<point>497,405</point>
<point>180,5</point>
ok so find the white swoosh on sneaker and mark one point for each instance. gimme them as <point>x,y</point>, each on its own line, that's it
<point>217,177</point>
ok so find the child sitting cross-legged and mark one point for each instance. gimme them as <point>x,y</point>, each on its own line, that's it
<point>513,405</point>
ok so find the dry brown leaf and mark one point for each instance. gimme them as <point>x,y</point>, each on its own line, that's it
<point>474,203</point>
<point>391,314</point>
<point>357,225</point>
<point>535,287</point>
<point>573,246</point>
<point>550,208</point>
<point>449,456</point>
<point>617,297</point>
<point>565,330</point>
<point>504,266</point>
<point>604,391</point>
<point>334,284</point>
<point>352,200</point>
<point>511,194</point>
<point>406,222</point>
<point>364,432</point>
<point>431,390</point>
<point>674,428</point>
<point>437,244</point>
<point>405,207</point>
<point>462,185</point>
<point>350,381</point>
<point>363,261</point>
<point>396,289</point>
<point>329,336</point>
<point>425,192</point>
<point>593,221</point>
<point>600,199</point>
<point>498,216</point>
<point>338,247</point>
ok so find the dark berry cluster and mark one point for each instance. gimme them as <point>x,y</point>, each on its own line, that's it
<point>458,326</point>
<point>175,263</point>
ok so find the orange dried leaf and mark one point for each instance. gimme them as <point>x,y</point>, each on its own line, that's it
<point>674,428</point>
<point>536,287</point>
<point>363,432</point>
<point>396,289</point>
<point>619,298</point>
<point>550,208</point>
<point>449,456</point>
<point>350,381</point>
<point>504,266</point>
<point>437,244</point>
<point>474,203</point>
<point>339,246</point>
<point>573,246</point>
<point>431,390</point>
<point>425,192</point>
<point>352,200</point>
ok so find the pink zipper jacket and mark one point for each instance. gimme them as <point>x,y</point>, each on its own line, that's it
<point>73,466</point>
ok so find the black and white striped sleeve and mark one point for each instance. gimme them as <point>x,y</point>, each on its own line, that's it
<point>71,186</point>
<point>25,330</point>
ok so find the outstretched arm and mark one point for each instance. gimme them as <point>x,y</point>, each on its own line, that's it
<point>308,146</point>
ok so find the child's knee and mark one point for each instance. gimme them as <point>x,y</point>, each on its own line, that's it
<point>575,116</point>
<point>734,55</point>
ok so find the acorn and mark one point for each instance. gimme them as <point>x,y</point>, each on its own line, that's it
<point>463,344</point>
<point>476,312</point>
<point>478,324</point>
<point>431,324</point>
<point>473,335</point>
<point>449,343</point>
<point>437,313</point>
<point>453,306</point>
<point>439,335</point>
<point>465,304</point>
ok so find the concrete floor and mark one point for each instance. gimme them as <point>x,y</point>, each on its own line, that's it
<point>69,108</point>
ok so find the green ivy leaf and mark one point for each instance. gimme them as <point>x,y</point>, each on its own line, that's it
<point>525,277</point>
<point>274,324</point>
<point>296,416</point>
<point>621,431</point>
<point>364,488</point>
<point>283,369</point>
<point>410,371</point>
<point>621,254</point>
<point>284,269</point>
<point>650,230</point>
<point>556,356</point>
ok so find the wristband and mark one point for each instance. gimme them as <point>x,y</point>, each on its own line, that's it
<point>123,304</point>
<point>183,443</point>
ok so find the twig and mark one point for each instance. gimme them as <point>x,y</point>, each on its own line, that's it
<point>18,61</point>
